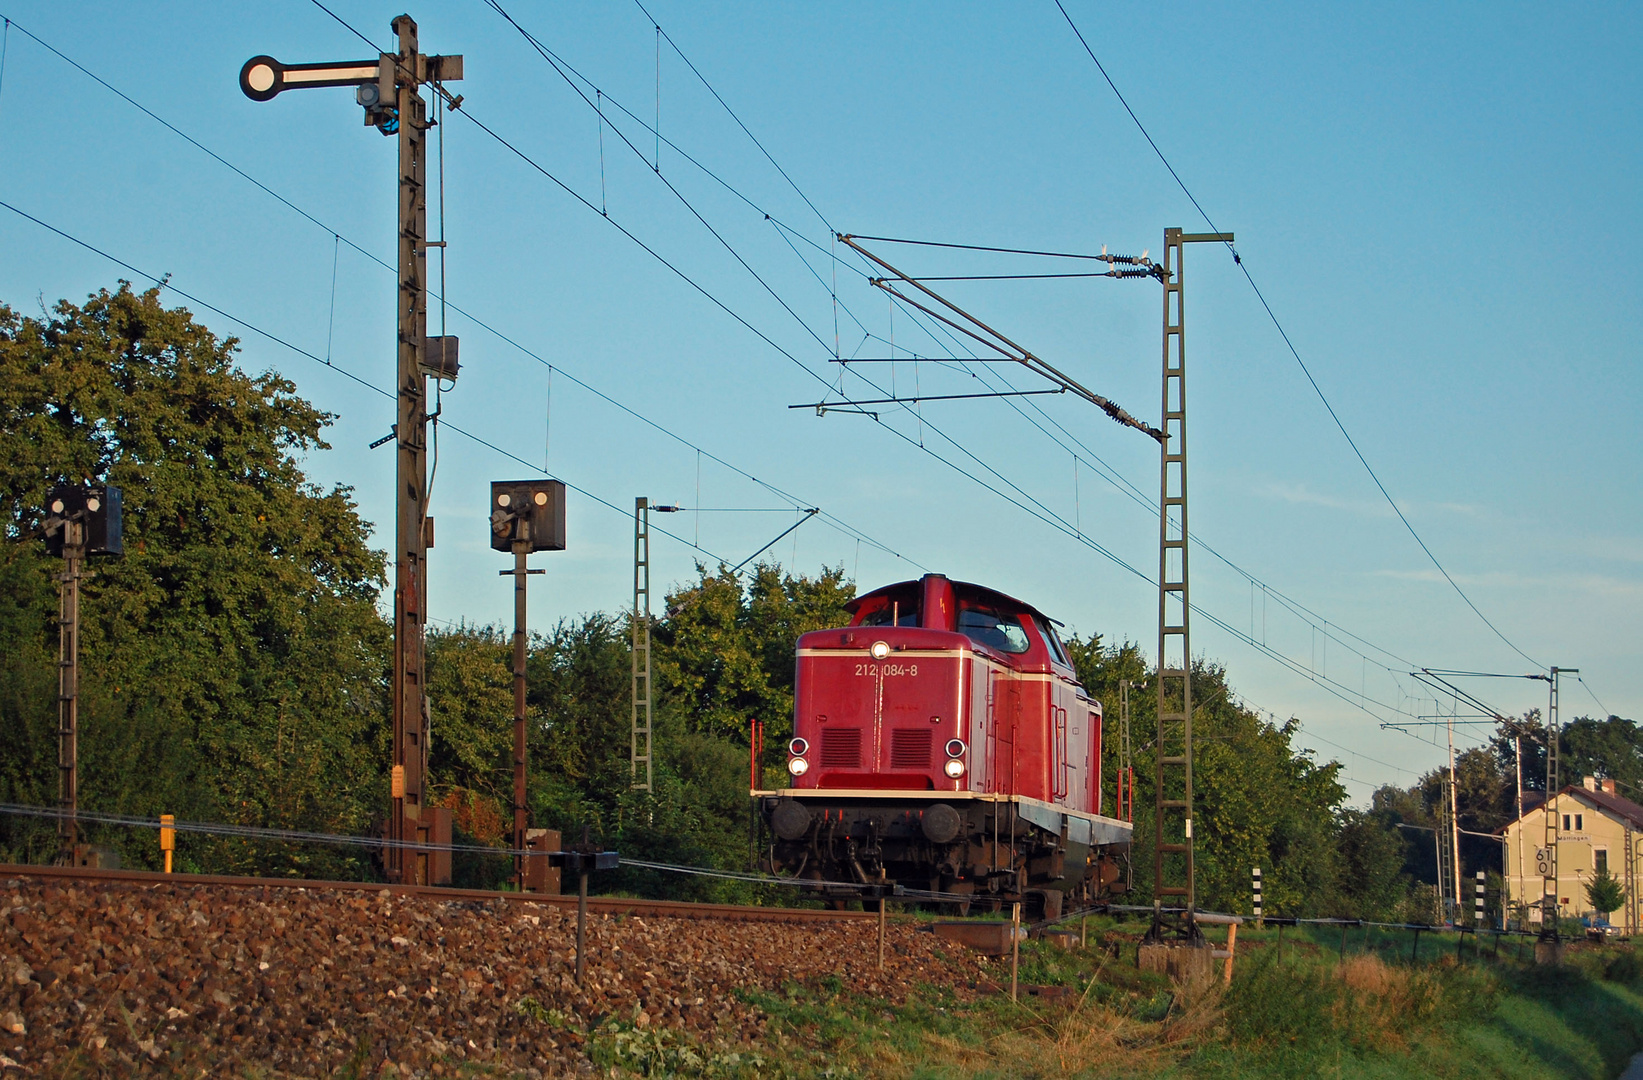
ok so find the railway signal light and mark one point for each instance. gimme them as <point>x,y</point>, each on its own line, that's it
<point>97,509</point>
<point>531,511</point>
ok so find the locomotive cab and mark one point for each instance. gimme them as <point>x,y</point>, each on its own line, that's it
<point>941,739</point>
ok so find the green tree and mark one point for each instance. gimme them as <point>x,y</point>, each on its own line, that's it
<point>1611,748</point>
<point>725,651</point>
<point>234,659</point>
<point>1604,893</point>
<point>1259,800</point>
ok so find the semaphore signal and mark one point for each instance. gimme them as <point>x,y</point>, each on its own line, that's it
<point>388,92</point>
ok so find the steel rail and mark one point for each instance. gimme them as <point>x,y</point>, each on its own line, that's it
<point>605,905</point>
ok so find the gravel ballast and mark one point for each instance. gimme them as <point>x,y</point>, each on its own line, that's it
<point>117,979</point>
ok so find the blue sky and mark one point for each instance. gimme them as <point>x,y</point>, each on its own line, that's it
<point>1438,202</point>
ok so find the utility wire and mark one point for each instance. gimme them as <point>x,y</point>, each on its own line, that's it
<point>346,26</point>
<point>258,832</point>
<point>1130,490</point>
<point>543,52</point>
<point>166,283</point>
<point>1239,262</point>
<point>755,139</point>
<point>1600,705</point>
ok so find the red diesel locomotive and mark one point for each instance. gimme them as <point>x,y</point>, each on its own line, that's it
<point>942,741</point>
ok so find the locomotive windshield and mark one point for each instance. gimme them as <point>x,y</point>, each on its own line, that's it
<point>996,631</point>
<point>900,607</point>
<point>903,616</point>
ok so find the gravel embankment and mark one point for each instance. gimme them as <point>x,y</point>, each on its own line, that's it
<point>117,979</point>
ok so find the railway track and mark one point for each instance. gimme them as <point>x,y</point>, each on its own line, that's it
<point>603,905</point>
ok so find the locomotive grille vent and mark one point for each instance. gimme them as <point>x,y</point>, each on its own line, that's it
<point>841,748</point>
<point>910,748</point>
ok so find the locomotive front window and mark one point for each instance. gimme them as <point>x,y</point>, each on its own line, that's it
<point>905,613</point>
<point>1002,632</point>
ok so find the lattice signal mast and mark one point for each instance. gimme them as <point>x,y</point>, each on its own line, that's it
<point>1549,884</point>
<point>641,745</point>
<point>1173,869</point>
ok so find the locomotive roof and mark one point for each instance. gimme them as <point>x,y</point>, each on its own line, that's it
<point>986,594</point>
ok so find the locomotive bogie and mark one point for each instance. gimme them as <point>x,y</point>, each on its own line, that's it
<point>998,848</point>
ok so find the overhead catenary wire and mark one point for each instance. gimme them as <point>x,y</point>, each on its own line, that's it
<point>1080,449</point>
<point>167,283</point>
<point>293,207</point>
<point>1336,689</point>
<point>808,201</point>
<point>548,56</point>
<point>1290,345</point>
<point>831,520</point>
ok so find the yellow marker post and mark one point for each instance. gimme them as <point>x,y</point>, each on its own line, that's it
<point>168,838</point>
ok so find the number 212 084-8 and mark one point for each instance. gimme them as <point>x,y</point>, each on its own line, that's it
<point>886,669</point>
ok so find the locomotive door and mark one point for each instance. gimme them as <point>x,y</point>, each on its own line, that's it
<point>1060,781</point>
<point>1003,716</point>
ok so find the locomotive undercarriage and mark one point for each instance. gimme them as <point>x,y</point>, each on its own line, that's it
<point>981,853</point>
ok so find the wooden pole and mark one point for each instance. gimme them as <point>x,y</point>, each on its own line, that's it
<point>582,925</point>
<point>1015,946</point>
<point>881,932</point>
<point>521,546</point>
<point>1232,947</point>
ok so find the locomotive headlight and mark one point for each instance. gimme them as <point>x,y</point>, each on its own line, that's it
<point>880,650</point>
<point>956,748</point>
<point>954,768</point>
<point>798,748</point>
<point>798,766</point>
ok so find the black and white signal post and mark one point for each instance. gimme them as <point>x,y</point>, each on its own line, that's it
<point>80,521</point>
<point>526,516</point>
<point>388,89</point>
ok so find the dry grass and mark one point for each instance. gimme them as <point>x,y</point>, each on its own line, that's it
<point>1087,1039</point>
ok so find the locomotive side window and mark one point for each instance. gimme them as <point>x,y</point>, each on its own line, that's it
<point>1002,632</point>
<point>1047,632</point>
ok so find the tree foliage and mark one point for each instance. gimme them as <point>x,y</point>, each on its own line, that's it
<point>1604,893</point>
<point>233,656</point>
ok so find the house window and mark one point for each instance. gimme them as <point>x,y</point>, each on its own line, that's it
<point>1579,825</point>
<point>1565,822</point>
<point>1600,861</point>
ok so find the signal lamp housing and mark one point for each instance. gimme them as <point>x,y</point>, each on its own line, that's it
<point>529,510</point>
<point>954,768</point>
<point>798,747</point>
<point>798,766</point>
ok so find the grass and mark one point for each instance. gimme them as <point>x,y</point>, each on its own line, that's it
<point>1304,1012</point>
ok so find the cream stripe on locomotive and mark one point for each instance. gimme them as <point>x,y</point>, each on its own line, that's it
<point>941,654</point>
